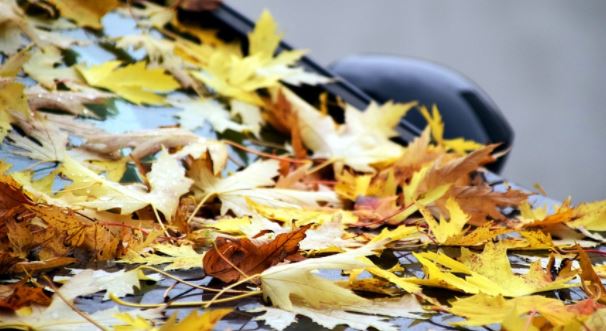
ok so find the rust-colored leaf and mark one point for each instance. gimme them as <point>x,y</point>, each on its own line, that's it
<point>21,295</point>
<point>481,202</point>
<point>249,258</point>
<point>591,282</point>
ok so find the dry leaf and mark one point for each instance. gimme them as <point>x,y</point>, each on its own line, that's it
<point>248,258</point>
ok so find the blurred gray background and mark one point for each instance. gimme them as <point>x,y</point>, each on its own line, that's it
<point>543,62</point>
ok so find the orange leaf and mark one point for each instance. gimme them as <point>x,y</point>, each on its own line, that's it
<point>592,284</point>
<point>21,295</point>
<point>232,257</point>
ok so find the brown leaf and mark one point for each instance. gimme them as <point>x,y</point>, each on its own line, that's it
<point>481,202</point>
<point>457,170</point>
<point>12,198</point>
<point>21,295</point>
<point>249,258</point>
<point>373,212</point>
<point>282,117</point>
<point>591,282</point>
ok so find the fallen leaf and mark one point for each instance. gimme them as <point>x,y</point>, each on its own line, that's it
<point>359,143</point>
<point>46,67</point>
<point>134,82</point>
<point>250,183</point>
<point>446,229</point>
<point>281,283</point>
<point>176,257</point>
<point>20,295</point>
<point>59,316</point>
<point>120,283</point>
<point>231,260</point>
<point>87,13</point>
<point>360,317</point>
<point>196,113</point>
<point>489,272</point>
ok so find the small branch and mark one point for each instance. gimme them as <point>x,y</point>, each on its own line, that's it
<point>121,302</point>
<point>73,307</point>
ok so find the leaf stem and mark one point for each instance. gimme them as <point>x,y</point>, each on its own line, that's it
<point>198,206</point>
<point>216,297</point>
<point>121,302</point>
<point>73,307</point>
<point>267,155</point>
<point>180,280</point>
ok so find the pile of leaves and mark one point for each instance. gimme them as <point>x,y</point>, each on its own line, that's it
<point>275,206</point>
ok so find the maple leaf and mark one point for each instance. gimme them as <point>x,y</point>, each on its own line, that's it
<point>167,181</point>
<point>483,309</point>
<point>263,43</point>
<point>177,257</point>
<point>247,257</point>
<point>120,283</point>
<point>134,82</point>
<point>359,143</point>
<point>193,321</point>
<point>590,216</point>
<point>46,67</point>
<point>13,23</point>
<point>358,317</point>
<point>197,112</point>
<point>86,13</point>
<point>435,123</point>
<point>161,53</point>
<point>59,316</point>
<point>481,201</point>
<point>300,217</point>
<point>13,105</point>
<point>250,115</point>
<point>591,282</point>
<point>444,230</point>
<point>488,272</point>
<point>328,237</point>
<point>281,283</point>
<point>249,183</point>
<point>43,140</point>
<point>13,297</point>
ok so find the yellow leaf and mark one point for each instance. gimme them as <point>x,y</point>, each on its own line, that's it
<point>12,102</point>
<point>135,82</point>
<point>46,67</point>
<point>12,66</point>
<point>482,309</point>
<point>445,230</point>
<point>252,183</point>
<point>113,169</point>
<point>355,143</point>
<point>86,13</point>
<point>591,216</point>
<point>399,233</point>
<point>488,272</point>
<point>400,282</point>
<point>282,283</point>
<point>301,217</point>
<point>196,321</point>
<point>177,257</point>
<point>264,39</point>
<point>436,125</point>
<point>350,186</point>
<point>231,225</point>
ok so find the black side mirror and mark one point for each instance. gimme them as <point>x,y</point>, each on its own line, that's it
<point>466,109</point>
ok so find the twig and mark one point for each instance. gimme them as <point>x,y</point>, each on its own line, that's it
<point>180,280</point>
<point>216,297</point>
<point>73,307</point>
<point>267,155</point>
<point>119,301</point>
